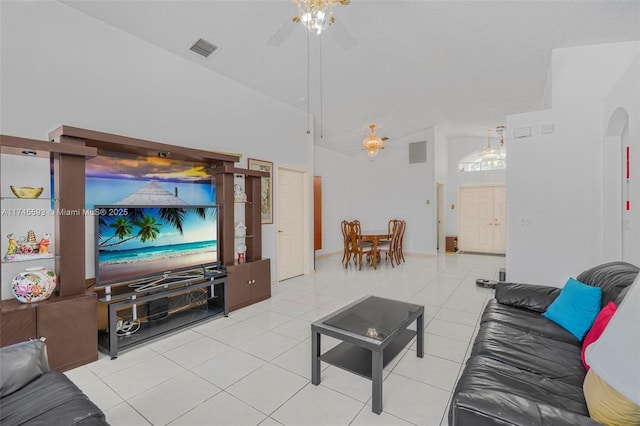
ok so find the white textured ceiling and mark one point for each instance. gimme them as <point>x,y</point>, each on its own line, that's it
<point>459,65</point>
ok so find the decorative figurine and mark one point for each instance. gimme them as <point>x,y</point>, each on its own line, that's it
<point>29,245</point>
<point>238,195</point>
<point>241,229</point>
<point>25,248</point>
<point>13,244</point>
<point>44,244</point>
<point>242,249</point>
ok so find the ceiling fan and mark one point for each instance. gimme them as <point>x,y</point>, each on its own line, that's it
<point>305,9</point>
<point>372,143</point>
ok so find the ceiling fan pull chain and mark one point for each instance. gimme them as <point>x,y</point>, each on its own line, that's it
<point>321,105</point>
<point>308,84</point>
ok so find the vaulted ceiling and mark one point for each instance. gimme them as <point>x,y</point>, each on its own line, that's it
<point>462,66</point>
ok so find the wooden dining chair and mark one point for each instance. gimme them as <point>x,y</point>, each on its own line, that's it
<point>384,242</point>
<point>399,253</point>
<point>390,247</point>
<point>357,247</point>
<point>344,225</point>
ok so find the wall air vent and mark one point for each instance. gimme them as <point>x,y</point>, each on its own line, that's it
<point>203,47</point>
<point>418,152</point>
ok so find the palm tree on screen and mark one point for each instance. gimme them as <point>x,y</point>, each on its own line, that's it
<point>123,230</point>
<point>149,228</point>
<point>175,216</point>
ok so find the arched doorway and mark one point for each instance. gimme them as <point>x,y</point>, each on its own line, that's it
<point>616,187</point>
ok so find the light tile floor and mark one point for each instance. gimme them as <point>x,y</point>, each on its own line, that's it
<point>254,367</point>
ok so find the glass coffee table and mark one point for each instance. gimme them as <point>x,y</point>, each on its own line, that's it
<point>373,331</point>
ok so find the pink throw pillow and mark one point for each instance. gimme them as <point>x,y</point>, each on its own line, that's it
<point>599,324</point>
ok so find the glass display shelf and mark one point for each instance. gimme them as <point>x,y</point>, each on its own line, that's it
<point>16,258</point>
<point>28,199</point>
<point>243,202</point>
<point>240,237</point>
<point>14,206</point>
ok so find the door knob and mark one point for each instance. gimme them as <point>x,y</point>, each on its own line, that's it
<point>280,230</point>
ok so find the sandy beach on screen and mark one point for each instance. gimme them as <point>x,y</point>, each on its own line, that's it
<point>117,271</point>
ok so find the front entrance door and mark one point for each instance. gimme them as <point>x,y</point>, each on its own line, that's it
<point>291,211</point>
<point>482,222</point>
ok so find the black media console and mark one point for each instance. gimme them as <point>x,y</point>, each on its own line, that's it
<point>160,305</point>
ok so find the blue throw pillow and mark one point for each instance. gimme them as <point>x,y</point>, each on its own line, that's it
<point>575,308</point>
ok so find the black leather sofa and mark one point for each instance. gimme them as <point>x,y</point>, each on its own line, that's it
<point>31,394</point>
<point>524,369</point>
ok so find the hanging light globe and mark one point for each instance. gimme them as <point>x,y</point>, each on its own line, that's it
<point>489,158</point>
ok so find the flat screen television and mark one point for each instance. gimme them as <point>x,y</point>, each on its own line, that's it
<point>138,242</point>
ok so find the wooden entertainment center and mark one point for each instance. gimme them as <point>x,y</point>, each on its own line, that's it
<point>69,319</point>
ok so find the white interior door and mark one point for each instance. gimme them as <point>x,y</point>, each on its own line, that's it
<point>482,221</point>
<point>290,224</point>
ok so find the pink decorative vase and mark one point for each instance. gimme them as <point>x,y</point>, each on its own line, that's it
<point>34,284</point>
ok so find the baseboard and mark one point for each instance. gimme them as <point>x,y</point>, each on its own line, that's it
<point>482,254</point>
<point>427,255</point>
<point>320,256</point>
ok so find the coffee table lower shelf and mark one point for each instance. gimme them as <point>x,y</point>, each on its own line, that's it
<point>358,360</point>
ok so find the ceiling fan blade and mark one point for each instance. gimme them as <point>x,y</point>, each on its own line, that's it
<point>282,33</point>
<point>384,139</point>
<point>342,35</point>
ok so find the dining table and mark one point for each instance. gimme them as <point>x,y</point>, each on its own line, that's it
<point>374,236</point>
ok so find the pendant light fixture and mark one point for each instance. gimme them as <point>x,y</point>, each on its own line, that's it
<point>372,143</point>
<point>489,158</point>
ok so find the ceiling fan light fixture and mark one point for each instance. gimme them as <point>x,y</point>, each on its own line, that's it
<point>316,15</point>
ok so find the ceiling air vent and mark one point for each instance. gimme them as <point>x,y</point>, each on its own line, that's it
<point>203,47</point>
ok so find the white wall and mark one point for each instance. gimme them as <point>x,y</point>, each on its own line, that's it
<point>554,201</point>
<point>60,66</point>
<point>441,170</point>
<point>533,206</point>
<point>441,155</point>
<point>335,170</point>
<point>626,94</point>
<point>354,187</point>
<point>389,187</point>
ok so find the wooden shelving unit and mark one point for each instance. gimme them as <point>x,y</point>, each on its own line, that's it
<point>249,282</point>
<point>68,318</point>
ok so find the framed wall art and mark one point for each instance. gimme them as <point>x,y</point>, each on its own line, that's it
<point>266,192</point>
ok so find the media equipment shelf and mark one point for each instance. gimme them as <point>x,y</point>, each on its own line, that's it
<point>212,283</point>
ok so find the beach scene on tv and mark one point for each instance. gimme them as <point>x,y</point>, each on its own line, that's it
<point>138,241</point>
